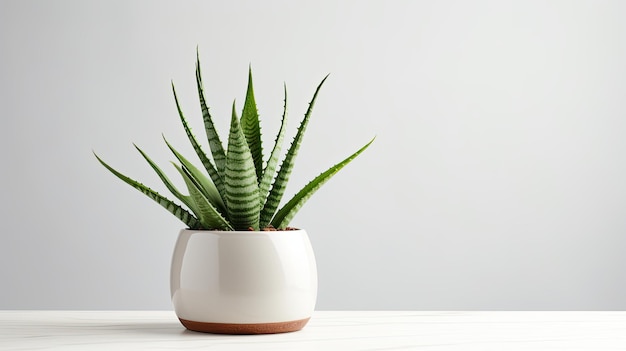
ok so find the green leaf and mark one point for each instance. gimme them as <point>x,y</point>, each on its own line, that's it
<point>251,127</point>
<point>217,148</point>
<point>272,163</point>
<point>180,213</point>
<point>170,186</point>
<point>205,184</point>
<point>280,183</point>
<point>207,213</point>
<point>213,173</point>
<point>285,214</point>
<point>242,190</point>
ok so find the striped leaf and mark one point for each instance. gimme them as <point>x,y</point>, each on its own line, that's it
<point>179,212</point>
<point>213,173</point>
<point>208,215</point>
<point>170,186</point>
<point>280,183</point>
<point>272,163</point>
<point>251,128</point>
<point>205,184</point>
<point>215,144</point>
<point>287,212</point>
<point>242,191</point>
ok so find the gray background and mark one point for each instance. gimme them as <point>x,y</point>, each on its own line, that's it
<point>496,180</point>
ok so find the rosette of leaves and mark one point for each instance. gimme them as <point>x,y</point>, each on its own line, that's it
<point>238,189</point>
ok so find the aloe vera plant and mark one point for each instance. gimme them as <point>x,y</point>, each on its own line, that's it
<point>238,189</point>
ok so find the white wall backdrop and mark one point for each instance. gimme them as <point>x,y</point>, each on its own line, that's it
<point>496,180</point>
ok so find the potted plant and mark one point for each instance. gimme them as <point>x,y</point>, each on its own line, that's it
<point>238,268</point>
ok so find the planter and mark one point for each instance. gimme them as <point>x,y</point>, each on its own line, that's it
<point>243,282</point>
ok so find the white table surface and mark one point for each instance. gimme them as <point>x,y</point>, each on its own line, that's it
<point>327,331</point>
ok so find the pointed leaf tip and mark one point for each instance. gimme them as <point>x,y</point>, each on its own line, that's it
<point>287,212</point>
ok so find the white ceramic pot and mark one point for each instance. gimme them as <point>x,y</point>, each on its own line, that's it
<point>243,282</point>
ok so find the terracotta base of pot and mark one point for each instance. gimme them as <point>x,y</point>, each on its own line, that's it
<point>254,328</point>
